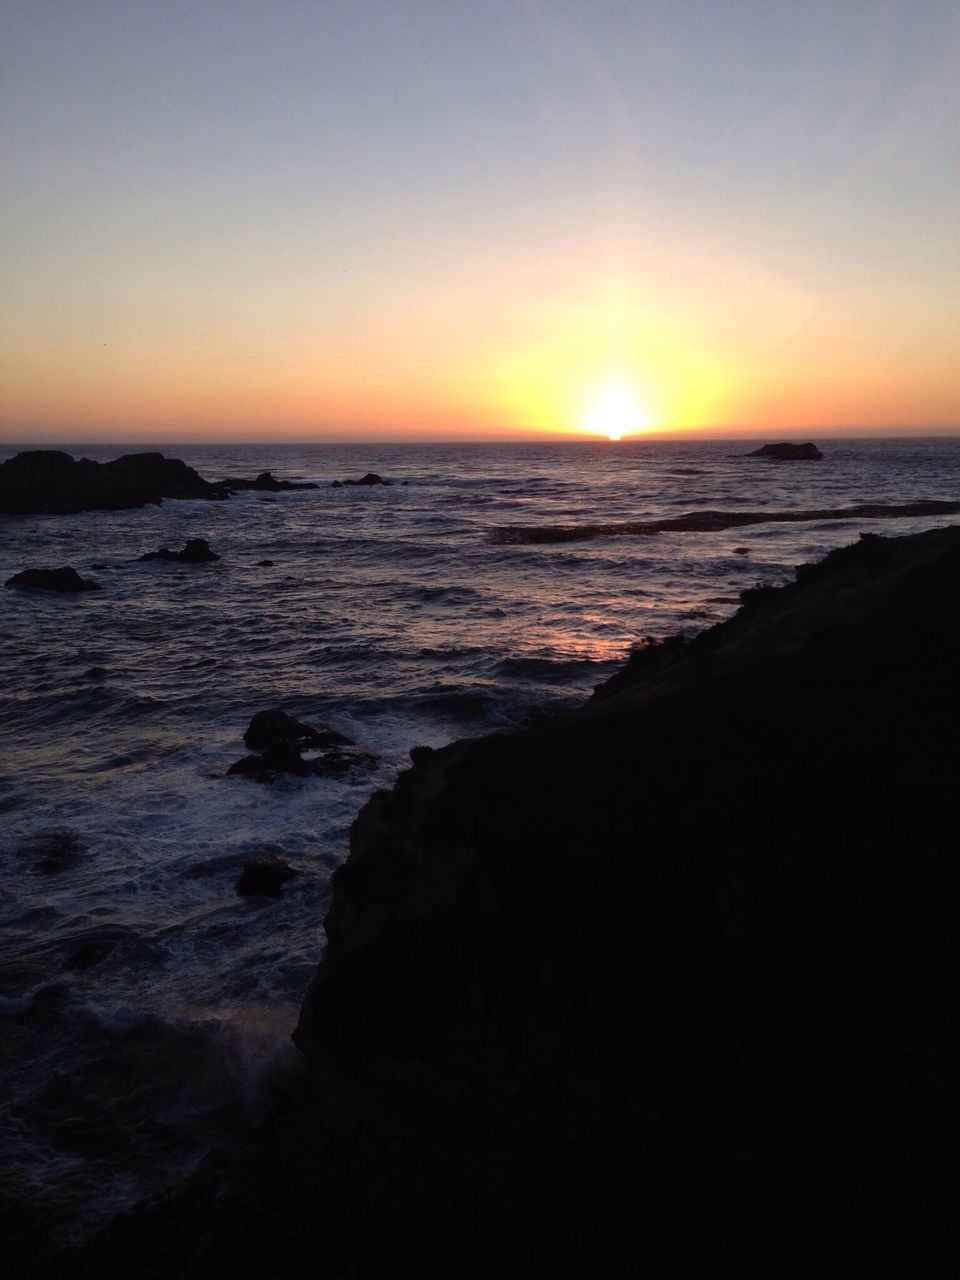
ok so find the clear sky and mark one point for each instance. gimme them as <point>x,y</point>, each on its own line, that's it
<point>364,219</point>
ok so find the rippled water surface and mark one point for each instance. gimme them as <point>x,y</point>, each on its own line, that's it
<point>141,995</point>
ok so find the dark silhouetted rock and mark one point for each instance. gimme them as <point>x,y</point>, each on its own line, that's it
<point>741,551</point>
<point>52,850</point>
<point>264,876</point>
<point>686,956</point>
<point>787,452</point>
<point>265,564</point>
<point>50,481</point>
<point>370,478</point>
<point>265,483</point>
<point>65,579</point>
<point>268,727</point>
<point>196,551</point>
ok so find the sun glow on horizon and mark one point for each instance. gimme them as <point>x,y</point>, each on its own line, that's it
<point>614,413</point>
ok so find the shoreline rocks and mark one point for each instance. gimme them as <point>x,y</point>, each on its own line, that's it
<point>49,481</point>
<point>687,955</point>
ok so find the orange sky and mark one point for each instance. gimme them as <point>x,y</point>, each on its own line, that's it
<point>768,244</point>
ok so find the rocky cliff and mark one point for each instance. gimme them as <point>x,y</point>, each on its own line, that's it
<point>669,986</point>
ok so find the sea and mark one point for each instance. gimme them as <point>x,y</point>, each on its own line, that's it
<point>145,1005</point>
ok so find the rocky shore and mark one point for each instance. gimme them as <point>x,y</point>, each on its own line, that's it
<point>51,482</point>
<point>666,987</point>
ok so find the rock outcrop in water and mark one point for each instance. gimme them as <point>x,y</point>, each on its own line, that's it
<point>268,727</point>
<point>66,579</point>
<point>195,551</point>
<point>265,483</point>
<point>278,739</point>
<point>51,481</point>
<point>264,876</point>
<point>663,988</point>
<point>371,478</point>
<point>787,452</point>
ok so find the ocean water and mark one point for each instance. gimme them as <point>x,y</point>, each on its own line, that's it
<point>143,1002</point>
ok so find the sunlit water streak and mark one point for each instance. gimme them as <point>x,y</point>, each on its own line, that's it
<point>387,614</point>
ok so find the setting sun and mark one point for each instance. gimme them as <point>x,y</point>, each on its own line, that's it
<point>615,414</point>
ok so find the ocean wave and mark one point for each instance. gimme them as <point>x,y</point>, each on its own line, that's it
<point>548,670</point>
<point>715,521</point>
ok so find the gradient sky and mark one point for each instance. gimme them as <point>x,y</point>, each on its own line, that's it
<point>379,218</point>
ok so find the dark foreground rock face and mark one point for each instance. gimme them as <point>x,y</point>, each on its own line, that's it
<point>66,579</point>
<point>676,972</point>
<point>195,551</point>
<point>787,452</point>
<point>48,480</point>
<point>665,988</point>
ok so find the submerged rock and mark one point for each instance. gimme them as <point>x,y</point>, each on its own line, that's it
<point>52,850</point>
<point>264,876</point>
<point>787,452</point>
<point>51,481</point>
<point>92,950</point>
<point>196,551</point>
<point>65,579</point>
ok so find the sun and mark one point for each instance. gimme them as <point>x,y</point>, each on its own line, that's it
<point>615,414</point>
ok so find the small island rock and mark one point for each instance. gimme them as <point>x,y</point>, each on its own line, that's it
<point>787,452</point>
<point>65,579</point>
